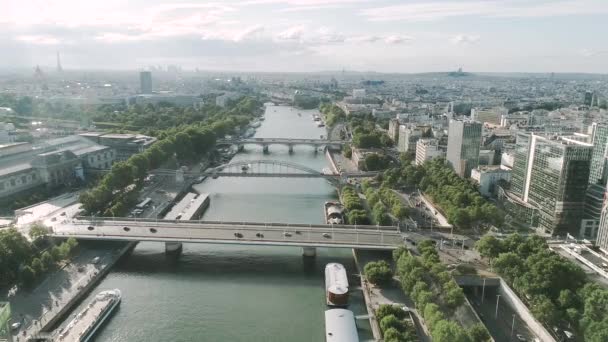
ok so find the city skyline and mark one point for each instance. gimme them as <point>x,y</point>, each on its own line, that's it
<point>309,35</point>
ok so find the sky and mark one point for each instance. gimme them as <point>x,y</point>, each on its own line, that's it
<point>406,36</point>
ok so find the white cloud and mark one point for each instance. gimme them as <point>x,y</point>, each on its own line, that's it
<point>249,33</point>
<point>398,39</point>
<point>422,11</point>
<point>294,33</point>
<point>38,39</point>
<point>593,53</point>
<point>464,39</point>
<point>364,39</point>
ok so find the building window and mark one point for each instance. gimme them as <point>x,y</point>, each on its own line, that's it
<point>12,182</point>
<point>1,186</point>
<point>33,176</point>
<point>23,180</point>
<point>98,157</point>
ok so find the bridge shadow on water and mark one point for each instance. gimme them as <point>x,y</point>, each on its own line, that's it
<point>250,263</point>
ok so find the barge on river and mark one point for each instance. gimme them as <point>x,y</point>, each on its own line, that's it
<point>84,326</point>
<point>336,285</point>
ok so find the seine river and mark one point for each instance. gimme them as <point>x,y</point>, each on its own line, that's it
<point>238,293</point>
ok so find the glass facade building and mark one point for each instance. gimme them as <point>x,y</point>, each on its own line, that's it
<point>552,174</point>
<point>464,141</point>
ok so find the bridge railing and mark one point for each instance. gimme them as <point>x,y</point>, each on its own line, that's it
<point>93,220</point>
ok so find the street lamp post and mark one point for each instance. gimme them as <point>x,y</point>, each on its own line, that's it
<point>496,312</point>
<point>512,325</point>
<point>483,290</point>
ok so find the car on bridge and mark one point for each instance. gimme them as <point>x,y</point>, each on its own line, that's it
<point>287,234</point>
<point>238,235</point>
<point>326,235</point>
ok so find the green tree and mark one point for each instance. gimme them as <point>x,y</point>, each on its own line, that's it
<point>28,276</point>
<point>38,231</point>
<point>56,253</point>
<point>432,315</point>
<point>478,333</point>
<point>448,331</point>
<point>509,265</point>
<point>489,247</point>
<point>38,266</point>
<point>544,310</point>
<point>393,335</point>
<point>378,272</point>
<point>47,260</point>
<point>391,321</point>
<point>384,310</point>
<point>452,294</point>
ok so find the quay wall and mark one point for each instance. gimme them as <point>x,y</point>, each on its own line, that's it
<point>52,322</point>
<point>332,163</point>
<point>377,333</point>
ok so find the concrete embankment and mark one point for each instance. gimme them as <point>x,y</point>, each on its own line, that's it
<point>368,301</point>
<point>56,317</point>
<point>332,163</point>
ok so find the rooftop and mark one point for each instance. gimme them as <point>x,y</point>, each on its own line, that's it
<point>14,169</point>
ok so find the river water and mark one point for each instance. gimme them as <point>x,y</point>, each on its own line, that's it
<point>238,293</point>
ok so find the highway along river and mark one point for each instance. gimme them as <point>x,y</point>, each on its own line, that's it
<point>237,293</point>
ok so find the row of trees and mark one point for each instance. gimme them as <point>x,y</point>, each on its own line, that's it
<point>376,162</point>
<point>458,198</point>
<point>557,291</point>
<point>333,114</point>
<point>19,260</point>
<point>435,293</point>
<point>393,323</point>
<point>366,135</point>
<point>355,213</point>
<point>118,190</point>
<point>378,272</point>
<point>151,118</point>
<point>384,201</point>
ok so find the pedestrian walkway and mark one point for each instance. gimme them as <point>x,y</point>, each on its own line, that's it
<point>36,308</point>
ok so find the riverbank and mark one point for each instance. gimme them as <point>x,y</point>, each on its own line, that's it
<point>371,312</point>
<point>389,294</point>
<point>42,308</point>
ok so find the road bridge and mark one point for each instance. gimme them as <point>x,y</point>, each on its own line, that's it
<point>242,233</point>
<point>272,168</point>
<point>289,142</point>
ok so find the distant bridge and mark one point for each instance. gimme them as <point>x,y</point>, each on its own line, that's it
<point>289,142</point>
<point>243,233</point>
<point>272,168</point>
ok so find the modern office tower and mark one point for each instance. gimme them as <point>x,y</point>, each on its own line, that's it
<point>599,138</point>
<point>552,174</point>
<point>602,234</point>
<point>588,98</point>
<point>594,200</point>
<point>464,140</point>
<point>145,82</point>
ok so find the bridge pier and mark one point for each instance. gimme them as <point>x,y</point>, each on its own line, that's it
<point>173,248</point>
<point>265,148</point>
<point>309,252</point>
<point>290,148</point>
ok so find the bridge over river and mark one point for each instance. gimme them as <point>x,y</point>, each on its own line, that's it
<point>289,142</point>
<point>271,168</point>
<point>243,233</point>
